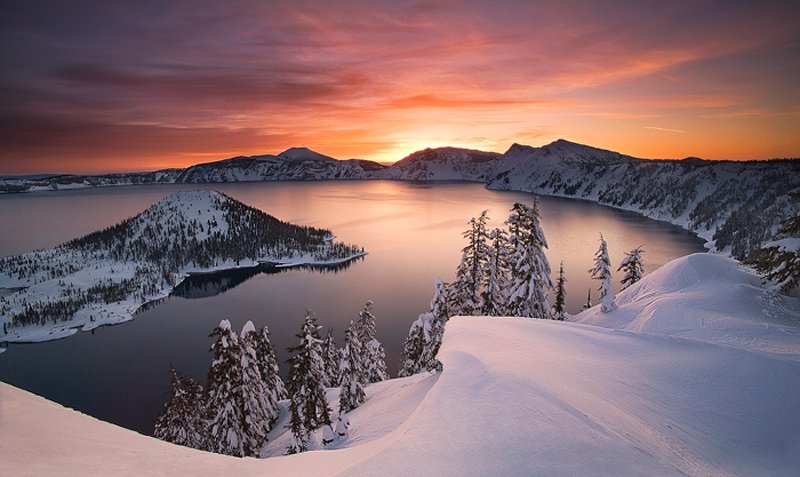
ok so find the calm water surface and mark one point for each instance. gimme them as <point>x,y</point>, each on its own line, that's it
<point>411,231</point>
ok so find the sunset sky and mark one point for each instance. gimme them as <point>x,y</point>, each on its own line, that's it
<point>119,86</point>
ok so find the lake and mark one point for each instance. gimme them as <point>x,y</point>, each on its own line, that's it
<point>412,232</point>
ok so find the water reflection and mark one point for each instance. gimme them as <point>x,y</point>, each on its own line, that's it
<point>205,285</point>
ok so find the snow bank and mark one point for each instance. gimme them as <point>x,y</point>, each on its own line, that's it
<point>698,382</point>
<point>710,298</point>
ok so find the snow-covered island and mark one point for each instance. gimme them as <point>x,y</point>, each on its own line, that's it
<point>697,372</point>
<point>105,277</point>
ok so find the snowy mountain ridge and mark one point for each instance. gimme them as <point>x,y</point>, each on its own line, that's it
<point>104,277</point>
<point>735,206</point>
<point>444,163</point>
<point>525,397</point>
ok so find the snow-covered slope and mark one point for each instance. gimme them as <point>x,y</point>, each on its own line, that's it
<point>104,277</point>
<point>444,163</point>
<point>709,298</point>
<point>524,397</point>
<point>736,205</point>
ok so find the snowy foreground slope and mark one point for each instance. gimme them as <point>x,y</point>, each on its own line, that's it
<point>526,397</point>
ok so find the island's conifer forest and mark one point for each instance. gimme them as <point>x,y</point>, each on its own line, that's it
<point>142,258</point>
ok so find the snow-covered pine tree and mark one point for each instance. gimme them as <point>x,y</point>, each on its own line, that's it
<point>467,293</point>
<point>602,272</point>
<point>413,347</point>
<point>633,267</point>
<point>461,301</point>
<point>297,426</point>
<point>256,408</point>
<point>434,325</point>
<point>373,357</point>
<point>530,269</point>
<point>270,373</point>
<point>332,356</point>
<point>306,389</point>
<point>495,295</point>
<point>425,336</point>
<point>226,433</point>
<point>351,390</point>
<point>559,311</point>
<point>183,420</point>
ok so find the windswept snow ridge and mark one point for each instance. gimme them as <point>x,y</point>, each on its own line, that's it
<point>709,298</point>
<point>104,277</point>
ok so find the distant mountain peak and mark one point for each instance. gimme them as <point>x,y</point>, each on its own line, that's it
<point>304,154</point>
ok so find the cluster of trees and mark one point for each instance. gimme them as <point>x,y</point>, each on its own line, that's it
<point>317,365</point>
<point>778,262</point>
<point>242,401</point>
<point>505,272</point>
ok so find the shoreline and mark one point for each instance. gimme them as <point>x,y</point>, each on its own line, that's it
<point>124,311</point>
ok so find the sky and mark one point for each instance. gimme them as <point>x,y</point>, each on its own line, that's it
<point>90,87</point>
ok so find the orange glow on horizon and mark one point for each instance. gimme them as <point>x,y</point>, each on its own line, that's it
<point>651,81</point>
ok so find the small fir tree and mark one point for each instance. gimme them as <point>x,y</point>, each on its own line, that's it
<point>632,266</point>
<point>602,272</point>
<point>559,310</point>
<point>588,303</point>
<point>183,420</point>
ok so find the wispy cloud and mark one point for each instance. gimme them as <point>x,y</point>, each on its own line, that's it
<point>377,81</point>
<point>656,128</point>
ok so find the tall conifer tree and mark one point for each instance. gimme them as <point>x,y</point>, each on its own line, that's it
<point>530,269</point>
<point>373,361</point>
<point>226,430</point>
<point>602,272</point>
<point>495,296</point>
<point>309,405</point>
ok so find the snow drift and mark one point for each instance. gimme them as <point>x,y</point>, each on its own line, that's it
<point>527,397</point>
